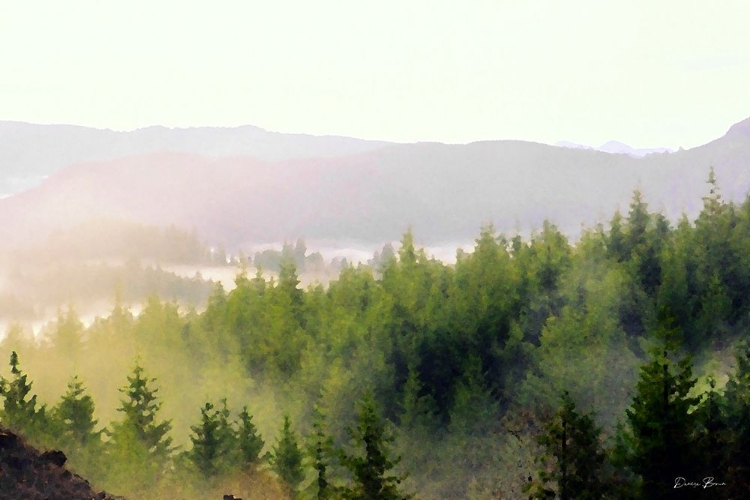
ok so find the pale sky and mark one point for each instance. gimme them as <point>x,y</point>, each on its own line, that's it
<point>648,73</point>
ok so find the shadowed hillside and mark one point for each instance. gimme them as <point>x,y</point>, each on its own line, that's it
<point>443,191</point>
<point>30,152</point>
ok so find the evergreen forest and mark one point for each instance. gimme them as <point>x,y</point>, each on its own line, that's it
<point>613,366</point>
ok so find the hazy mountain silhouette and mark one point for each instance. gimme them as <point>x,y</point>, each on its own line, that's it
<point>29,153</point>
<point>615,147</point>
<point>445,192</point>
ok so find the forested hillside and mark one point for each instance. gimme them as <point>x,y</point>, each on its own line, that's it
<point>606,367</point>
<point>444,191</point>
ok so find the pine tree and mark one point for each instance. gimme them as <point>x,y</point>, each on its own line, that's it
<point>474,407</point>
<point>713,438</point>
<point>660,442</point>
<point>207,445</point>
<point>218,447</point>
<point>616,247</point>
<point>20,412</point>
<point>140,408</point>
<point>321,449</point>
<point>75,415</point>
<point>638,222</point>
<point>737,415</point>
<point>372,471</point>
<point>67,335</point>
<point>249,442</point>
<point>574,460</point>
<point>418,411</point>
<point>286,458</point>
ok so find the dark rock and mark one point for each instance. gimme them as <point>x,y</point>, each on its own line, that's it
<point>18,463</point>
<point>27,474</point>
<point>55,457</point>
<point>8,440</point>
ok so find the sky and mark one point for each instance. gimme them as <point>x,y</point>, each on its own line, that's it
<point>650,74</point>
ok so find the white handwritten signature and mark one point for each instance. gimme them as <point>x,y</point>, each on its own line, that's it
<point>708,482</point>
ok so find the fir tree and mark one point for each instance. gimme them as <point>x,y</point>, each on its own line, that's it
<point>218,447</point>
<point>321,449</point>
<point>249,442</point>
<point>68,334</point>
<point>660,443</point>
<point>20,411</point>
<point>737,418</point>
<point>713,439</point>
<point>206,442</point>
<point>286,458</point>
<point>75,415</point>
<point>574,459</point>
<point>140,408</point>
<point>418,411</point>
<point>372,471</point>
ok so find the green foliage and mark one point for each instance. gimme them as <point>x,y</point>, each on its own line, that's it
<point>474,408</point>
<point>75,415</point>
<point>451,350</point>
<point>572,467</point>
<point>67,334</point>
<point>371,466</point>
<point>210,445</point>
<point>321,452</point>
<point>659,444</point>
<point>586,330</point>
<point>735,417</point>
<point>140,408</point>
<point>221,446</point>
<point>286,458</point>
<point>20,411</point>
<point>419,408</point>
<point>249,442</point>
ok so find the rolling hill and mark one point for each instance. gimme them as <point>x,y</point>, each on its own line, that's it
<point>371,195</point>
<point>29,152</point>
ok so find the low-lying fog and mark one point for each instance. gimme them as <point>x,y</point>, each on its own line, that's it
<point>34,285</point>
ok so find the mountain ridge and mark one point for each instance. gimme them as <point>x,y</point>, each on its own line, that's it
<point>615,147</point>
<point>445,192</point>
<point>29,152</point>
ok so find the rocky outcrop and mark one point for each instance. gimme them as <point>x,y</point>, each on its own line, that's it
<point>27,474</point>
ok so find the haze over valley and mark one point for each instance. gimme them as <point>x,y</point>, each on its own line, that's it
<point>374,251</point>
<point>244,190</point>
<point>339,189</point>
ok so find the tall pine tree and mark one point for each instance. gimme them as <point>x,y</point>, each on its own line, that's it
<point>140,408</point>
<point>659,443</point>
<point>286,458</point>
<point>20,412</point>
<point>249,442</point>
<point>75,415</point>
<point>209,443</point>
<point>572,467</point>
<point>372,467</point>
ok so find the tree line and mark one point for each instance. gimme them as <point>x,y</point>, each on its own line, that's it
<point>468,361</point>
<point>138,449</point>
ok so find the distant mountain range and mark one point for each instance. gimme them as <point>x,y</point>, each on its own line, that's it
<point>615,147</point>
<point>240,192</point>
<point>29,153</point>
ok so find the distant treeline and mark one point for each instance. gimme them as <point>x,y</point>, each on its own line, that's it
<point>117,241</point>
<point>86,263</point>
<point>36,289</point>
<point>102,239</point>
<point>529,367</point>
